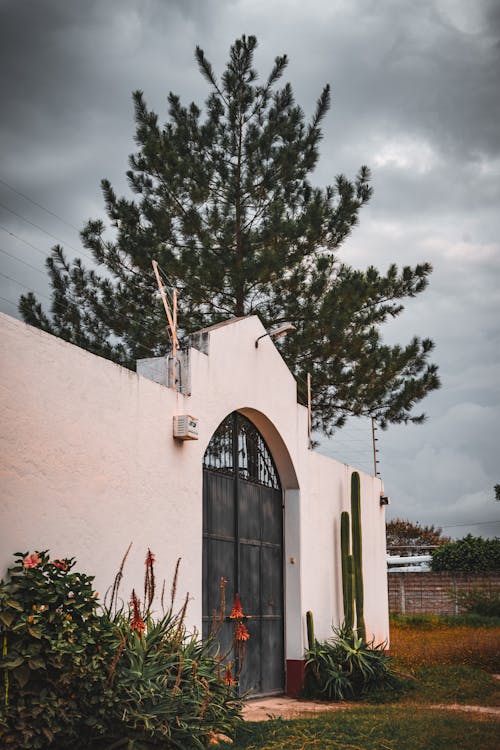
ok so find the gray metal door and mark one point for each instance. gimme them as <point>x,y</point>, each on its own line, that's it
<point>243,543</point>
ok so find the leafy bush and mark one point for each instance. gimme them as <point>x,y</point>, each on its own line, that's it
<point>169,688</point>
<point>472,554</point>
<point>55,648</point>
<point>79,676</point>
<point>480,601</point>
<point>346,666</point>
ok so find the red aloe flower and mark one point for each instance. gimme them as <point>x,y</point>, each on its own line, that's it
<point>150,558</point>
<point>32,560</point>
<point>241,633</point>
<point>228,676</point>
<point>137,623</point>
<point>237,610</point>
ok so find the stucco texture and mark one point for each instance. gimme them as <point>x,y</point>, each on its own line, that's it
<point>89,465</point>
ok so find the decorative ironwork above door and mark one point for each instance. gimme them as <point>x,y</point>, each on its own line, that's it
<point>255,463</point>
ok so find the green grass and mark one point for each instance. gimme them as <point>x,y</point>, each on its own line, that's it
<point>450,684</point>
<point>430,622</point>
<point>443,660</point>
<point>381,728</point>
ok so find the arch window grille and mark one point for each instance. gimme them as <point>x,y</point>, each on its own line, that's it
<point>255,463</point>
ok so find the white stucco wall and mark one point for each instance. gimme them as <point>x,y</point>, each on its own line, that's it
<point>89,464</point>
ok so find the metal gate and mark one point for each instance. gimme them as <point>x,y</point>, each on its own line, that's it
<point>243,542</point>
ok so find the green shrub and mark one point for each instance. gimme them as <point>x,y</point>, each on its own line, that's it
<point>472,554</point>
<point>480,601</point>
<point>169,689</point>
<point>77,676</point>
<point>347,667</point>
<point>55,652</point>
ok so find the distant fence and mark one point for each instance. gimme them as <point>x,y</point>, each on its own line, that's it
<point>414,593</point>
<point>408,558</point>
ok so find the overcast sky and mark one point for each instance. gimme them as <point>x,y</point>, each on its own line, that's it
<point>416,96</point>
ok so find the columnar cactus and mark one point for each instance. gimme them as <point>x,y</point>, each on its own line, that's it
<point>311,640</point>
<point>347,569</point>
<point>357,554</point>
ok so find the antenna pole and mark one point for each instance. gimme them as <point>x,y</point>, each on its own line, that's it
<point>376,473</point>
<point>309,411</point>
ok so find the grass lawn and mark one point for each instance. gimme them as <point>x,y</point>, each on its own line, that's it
<point>444,661</point>
<point>370,728</point>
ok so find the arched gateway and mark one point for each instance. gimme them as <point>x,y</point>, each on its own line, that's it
<point>243,542</point>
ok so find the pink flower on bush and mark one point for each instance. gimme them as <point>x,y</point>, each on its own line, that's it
<point>32,560</point>
<point>61,564</point>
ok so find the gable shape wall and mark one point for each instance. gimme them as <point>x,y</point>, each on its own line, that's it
<point>89,464</point>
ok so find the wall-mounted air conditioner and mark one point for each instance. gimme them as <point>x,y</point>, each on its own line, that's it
<point>185,427</point>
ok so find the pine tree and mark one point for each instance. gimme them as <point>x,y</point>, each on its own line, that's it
<point>223,201</point>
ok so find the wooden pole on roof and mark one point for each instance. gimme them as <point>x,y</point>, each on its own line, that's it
<point>172,318</point>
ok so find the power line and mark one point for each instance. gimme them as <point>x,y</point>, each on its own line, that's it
<point>471,523</point>
<point>30,244</point>
<point>49,234</point>
<point>14,304</point>
<point>46,255</point>
<point>35,203</point>
<point>77,303</point>
<point>37,226</point>
<point>24,262</point>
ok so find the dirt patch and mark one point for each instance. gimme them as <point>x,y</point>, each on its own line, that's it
<point>263,709</point>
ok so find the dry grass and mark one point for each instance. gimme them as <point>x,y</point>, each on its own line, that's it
<point>446,644</point>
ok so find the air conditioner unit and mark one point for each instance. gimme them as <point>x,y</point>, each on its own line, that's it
<point>185,427</point>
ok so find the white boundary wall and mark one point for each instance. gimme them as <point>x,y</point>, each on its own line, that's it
<point>89,464</point>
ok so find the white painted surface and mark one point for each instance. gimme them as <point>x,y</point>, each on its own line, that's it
<point>89,464</point>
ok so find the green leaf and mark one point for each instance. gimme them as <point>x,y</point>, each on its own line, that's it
<point>12,663</point>
<point>36,663</point>
<point>7,618</point>
<point>22,675</point>
<point>13,604</point>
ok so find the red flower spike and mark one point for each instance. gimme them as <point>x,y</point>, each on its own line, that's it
<point>137,623</point>
<point>150,558</point>
<point>228,676</point>
<point>241,633</point>
<point>237,610</point>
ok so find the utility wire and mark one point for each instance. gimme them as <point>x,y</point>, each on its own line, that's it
<point>57,304</point>
<point>35,203</point>
<point>9,302</point>
<point>78,303</point>
<point>46,255</point>
<point>24,262</point>
<point>37,226</point>
<point>30,244</point>
<point>471,523</point>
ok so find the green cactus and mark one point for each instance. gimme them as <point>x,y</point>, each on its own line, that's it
<point>347,569</point>
<point>311,640</point>
<point>357,554</point>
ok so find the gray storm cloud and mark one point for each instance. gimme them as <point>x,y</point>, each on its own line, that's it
<point>415,96</point>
